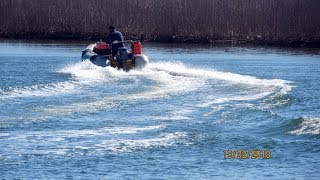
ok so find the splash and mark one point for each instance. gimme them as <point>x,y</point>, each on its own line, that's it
<point>308,125</point>
<point>105,87</point>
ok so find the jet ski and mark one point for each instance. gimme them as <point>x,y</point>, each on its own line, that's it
<point>100,54</point>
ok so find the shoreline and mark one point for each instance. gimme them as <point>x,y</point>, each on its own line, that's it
<point>259,41</point>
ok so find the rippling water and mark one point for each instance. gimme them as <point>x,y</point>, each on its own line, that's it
<point>63,118</point>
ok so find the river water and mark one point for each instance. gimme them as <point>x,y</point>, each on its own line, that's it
<point>176,118</point>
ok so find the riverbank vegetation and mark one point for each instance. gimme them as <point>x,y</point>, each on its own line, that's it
<point>282,22</point>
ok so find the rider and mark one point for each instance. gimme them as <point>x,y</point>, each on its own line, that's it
<point>114,36</point>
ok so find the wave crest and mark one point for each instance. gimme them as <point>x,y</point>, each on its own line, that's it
<point>308,125</point>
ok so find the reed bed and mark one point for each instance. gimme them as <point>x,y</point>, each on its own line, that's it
<point>207,21</point>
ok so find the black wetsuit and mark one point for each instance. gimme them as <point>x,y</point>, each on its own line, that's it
<point>115,36</point>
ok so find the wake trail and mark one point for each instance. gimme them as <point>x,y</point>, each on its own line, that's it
<point>156,80</point>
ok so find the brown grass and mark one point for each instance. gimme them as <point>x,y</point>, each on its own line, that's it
<point>164,20</point>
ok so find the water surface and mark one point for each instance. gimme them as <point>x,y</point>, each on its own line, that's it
<point>63,118</point>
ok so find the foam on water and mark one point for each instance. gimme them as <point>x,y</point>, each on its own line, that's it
<point>86,72</point>
<point>104,140</point>
<point>176,77</point>
<point>170,78</point>
<point>181,114</point>
<point>168,115</point>
<point>63,134</point>
<point>166,79</point>
<point>214,100</point>
<point>252,88</point>
<point>308,125</point>
<point>125,145</point>
<point>39,90</point>
<point>181,70</point>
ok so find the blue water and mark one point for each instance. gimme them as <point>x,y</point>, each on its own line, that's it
<point>63,118</point>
